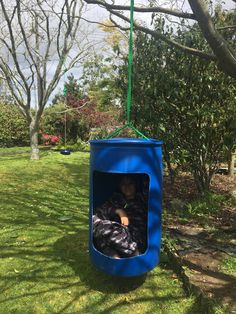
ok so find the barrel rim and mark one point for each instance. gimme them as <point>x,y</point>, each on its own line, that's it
<point>127,141</point>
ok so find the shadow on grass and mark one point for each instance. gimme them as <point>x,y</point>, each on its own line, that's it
<point>73,249</point>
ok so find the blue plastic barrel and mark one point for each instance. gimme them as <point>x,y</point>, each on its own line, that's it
<point>108,160</point>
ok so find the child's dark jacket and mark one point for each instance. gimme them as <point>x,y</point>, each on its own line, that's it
<point>110,234</point>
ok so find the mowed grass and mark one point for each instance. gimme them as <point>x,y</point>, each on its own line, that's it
<point>44,262</point>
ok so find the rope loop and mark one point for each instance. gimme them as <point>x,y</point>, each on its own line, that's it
<point>129,124</point>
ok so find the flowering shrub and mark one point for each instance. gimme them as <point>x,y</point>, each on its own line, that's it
<point>50,139</point>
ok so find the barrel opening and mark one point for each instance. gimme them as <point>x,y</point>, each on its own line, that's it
<point>130,193</point>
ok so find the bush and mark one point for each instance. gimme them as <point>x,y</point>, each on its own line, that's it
<point>53,122</point>
<point>79,145</point>
<point>14,129</point>
<point>210,203</point>
<point>50,139</point>
<point>98,133</point>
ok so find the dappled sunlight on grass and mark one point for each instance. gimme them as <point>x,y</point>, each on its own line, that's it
<point>45,267</point>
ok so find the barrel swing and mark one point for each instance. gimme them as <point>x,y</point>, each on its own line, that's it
<point>125,197</point>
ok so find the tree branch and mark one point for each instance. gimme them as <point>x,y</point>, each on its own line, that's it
<point>118,26</point>
<point>8,76</point>
<point>224,53</point>
<point>73,23</point>
<point>171,42</point>
<point>97,23</point>
<point>49,42</point>
<point>13,50</point>
<point>157,9</point>
<point>60,17</point>
<point>74,109</point>
<point>226,27</point>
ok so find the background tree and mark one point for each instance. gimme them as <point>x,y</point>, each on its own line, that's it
<point>183,100</point>
<point>39,42</point>
<point>98,81</point>
<point>80,112</point>
<point>220,50</point>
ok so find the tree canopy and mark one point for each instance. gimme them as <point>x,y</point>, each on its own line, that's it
<point>220,50</point>
<point>184,100</point>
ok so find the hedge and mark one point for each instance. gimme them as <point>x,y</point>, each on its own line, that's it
<point>14,130</point>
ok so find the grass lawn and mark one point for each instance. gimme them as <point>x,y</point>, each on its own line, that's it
<point>44,265</point>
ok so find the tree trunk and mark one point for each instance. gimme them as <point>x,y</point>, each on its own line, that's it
<point>202,179</point>
<point>231,164</point>
<point>34,130</point>
<point>224,53</point>
<point>171,172</point>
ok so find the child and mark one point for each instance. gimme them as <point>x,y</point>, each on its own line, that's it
<point>120,225</point>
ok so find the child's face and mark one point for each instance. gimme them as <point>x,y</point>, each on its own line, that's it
<point>128,188</point>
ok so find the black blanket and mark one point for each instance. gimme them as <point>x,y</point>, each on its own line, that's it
<point>111,237</point>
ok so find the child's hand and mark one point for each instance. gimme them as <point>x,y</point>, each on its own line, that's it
<point>123,217</point>
<point>124,220</point>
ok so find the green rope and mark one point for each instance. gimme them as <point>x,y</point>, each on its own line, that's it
<point>129,93</point>
<point>116,132</point>
<point>127,126</point>
<point>130,60</point>
<point>138,132</point>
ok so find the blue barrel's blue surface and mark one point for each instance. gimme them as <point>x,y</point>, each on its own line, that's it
<point>127,156</point>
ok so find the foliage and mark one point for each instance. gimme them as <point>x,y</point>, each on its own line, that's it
<point>222,19</point>
<point>96,133</point>
<point>98,81</point>
<point>221,51</point>
<point>44,261</point>
<point>13,126</point>
<point>115,38</point>
<point>209,204</point>
<point>78,146</point>
<point>183,100</point>
<point>64,120</point>
<point>72,91</point>
<point>81,114</point>
<point>50,139</point>
<point>52,119</point>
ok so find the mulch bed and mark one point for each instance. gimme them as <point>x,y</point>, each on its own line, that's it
<point>197,250</point>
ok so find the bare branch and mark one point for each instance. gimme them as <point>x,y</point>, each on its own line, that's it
<point>13,49</point>
<point>223,54</point>
<point>74,109</point>
<point>29,49</point>
<point>98,23</point>
<point>60,16</point>
<point>71,32</point>
<point>49,42</point>
<point>8,76</point>
<point>61,72</point>
<point>118,26</point>
<point>143,9</point>
<point>226,27</point>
